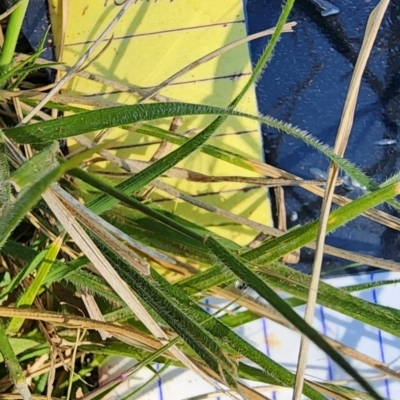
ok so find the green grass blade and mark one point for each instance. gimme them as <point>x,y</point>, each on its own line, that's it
<point>5,192</point>
<point>248,316</point>
<point>39,50</point>
<point>295,302</point>
<point>32,291</point>
<point>25,201</point>
<point>32,170</point>
<point>90,121</point>
<point>258,167</point>
<point>153,233</point>
<point>297,284</point>
<point>124,115</point>
<point>28,70</point>
<point>14,368</point>
<point>119,194</point>
<point>69,272</point>
<point>191,332</point>
<point>297,238</point>
<point>146,176</point>
<point>253,280</point>
<point>228,339</point>
<point>33,258</point>
<point>22,274</point>
<point>216,276</point>
<point>31,194</point>
<point>5,76</point>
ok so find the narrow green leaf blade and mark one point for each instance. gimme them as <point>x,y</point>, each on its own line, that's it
<point>228,339</point>
<point>297,238</point>
<point>14,368</point>
<point>30,294</point>
<point>5,192</point>
<point>191,332</point>
<point>31,193</point>
<point>34,168</point>
<point>91,121</point>
<point>23,273</point>
<point>253,280</point>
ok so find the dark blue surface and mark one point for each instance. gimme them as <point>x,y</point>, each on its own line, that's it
<point>306,84</point>
<point>35,25</point>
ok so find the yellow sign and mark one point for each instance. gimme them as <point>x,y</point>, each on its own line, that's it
<point>152,41</point>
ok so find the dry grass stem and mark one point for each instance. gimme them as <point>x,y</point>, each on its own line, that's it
<point>346,123</point>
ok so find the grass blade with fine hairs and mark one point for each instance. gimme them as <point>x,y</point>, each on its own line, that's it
<point>231,340</point>
<point>4,177</point>
<point>190,331</point>
<point>100,119</point>
<point>26,200</point>
<point>255,166</point>
<point>278,374</point>
<point>252,279</point>
<point>260,168</point>
<point>101,263</point>
<point>31,194</point>
<point>296,238</point>
<point>287,280</point>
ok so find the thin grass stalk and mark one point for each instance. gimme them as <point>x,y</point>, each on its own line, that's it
<point>12,35</point>
<point>346,123</point>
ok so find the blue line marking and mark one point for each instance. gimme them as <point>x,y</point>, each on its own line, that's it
<point>380,339</point>
<point>324,331</point>
<point>207,308</point>
<point>264,325</point>
<point>159,384</point>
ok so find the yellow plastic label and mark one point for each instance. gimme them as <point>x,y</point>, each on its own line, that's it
<point>152,41</point>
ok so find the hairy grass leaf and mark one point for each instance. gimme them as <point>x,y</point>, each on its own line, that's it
<point>297,238</point>
<point>191,332</point>
<point>4,177</point>
<point>30,194</point>
<point>124,115</point>
<point>228,339</point>
<point>35,167</point>
<point>234,264</point>
<point>367,312</point>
